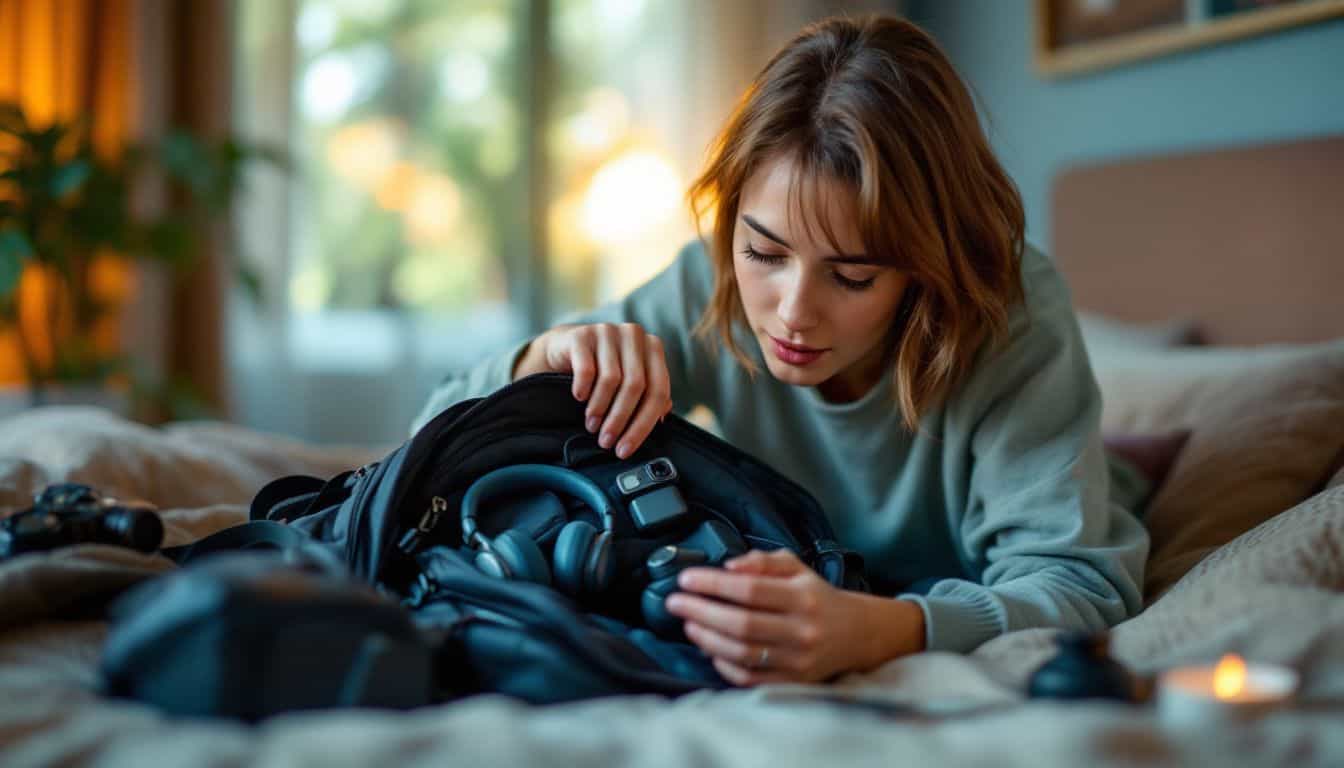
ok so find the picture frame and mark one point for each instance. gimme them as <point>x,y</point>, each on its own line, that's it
<point>1073,37</point>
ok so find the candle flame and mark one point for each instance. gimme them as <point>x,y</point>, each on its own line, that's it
<point>1229,677</point>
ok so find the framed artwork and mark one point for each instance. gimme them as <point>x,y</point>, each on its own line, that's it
<point>1076,36</point>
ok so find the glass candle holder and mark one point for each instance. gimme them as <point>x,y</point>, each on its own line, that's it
<point>1230,692</point>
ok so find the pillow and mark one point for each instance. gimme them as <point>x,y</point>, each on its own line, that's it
<point>1152,454</point>
<point>1267,593</point>
<point>1266,432</point>
<point>1102,333</point>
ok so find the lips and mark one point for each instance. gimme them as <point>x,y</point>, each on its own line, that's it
<point>795,354</point>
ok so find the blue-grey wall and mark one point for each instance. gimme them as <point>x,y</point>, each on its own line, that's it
<point>1281,86</point>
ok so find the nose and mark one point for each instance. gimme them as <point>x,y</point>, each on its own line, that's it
<point>797,306</point>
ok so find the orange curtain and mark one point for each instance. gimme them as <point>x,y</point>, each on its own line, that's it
<point>60,59</point>
<point>136,68</point>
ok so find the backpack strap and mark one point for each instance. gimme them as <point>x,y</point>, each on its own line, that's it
<point>282,497</point>
<point>289,498</point>
<point>258,534</point>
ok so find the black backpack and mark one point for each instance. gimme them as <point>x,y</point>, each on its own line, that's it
<point>548,600</point>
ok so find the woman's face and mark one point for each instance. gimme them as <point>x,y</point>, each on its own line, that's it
<point>820,317</point>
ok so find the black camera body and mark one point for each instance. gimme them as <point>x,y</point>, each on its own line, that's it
<point>72,513</point>
<point>654,500</point>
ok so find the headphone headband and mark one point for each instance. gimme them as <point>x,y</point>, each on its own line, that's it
<point>533,477</point>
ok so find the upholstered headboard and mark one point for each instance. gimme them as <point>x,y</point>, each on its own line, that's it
<point>1246,242</point>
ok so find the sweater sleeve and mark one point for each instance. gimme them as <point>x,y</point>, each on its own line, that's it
<point>669,305</point>
<point>1041,526</point>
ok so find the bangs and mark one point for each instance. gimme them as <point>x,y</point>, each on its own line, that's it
<point>829,179</point>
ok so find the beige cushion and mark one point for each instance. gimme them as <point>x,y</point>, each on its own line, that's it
<point>1267,432</point>
<point>1279,583</point>
<point>1101,333</point>
<point>1275,593</point>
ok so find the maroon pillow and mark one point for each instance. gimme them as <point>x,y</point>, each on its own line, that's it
<point>1152,454</point>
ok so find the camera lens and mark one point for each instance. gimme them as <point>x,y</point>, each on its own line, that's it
<point>661,470</point>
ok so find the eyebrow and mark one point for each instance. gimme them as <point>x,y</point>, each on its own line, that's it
<point>844,258</point>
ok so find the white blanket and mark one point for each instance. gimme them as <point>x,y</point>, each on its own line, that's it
<point>1272,595</point>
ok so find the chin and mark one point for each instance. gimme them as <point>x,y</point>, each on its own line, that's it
<point>791,375</point>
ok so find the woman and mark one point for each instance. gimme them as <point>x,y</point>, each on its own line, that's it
<point>926,377</point>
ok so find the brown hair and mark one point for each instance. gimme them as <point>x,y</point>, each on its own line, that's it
<point>875,104</point>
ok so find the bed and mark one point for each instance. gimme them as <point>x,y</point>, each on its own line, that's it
<point>1239,248</point>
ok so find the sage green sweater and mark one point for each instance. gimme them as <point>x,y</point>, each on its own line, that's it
<point>1004,498</point>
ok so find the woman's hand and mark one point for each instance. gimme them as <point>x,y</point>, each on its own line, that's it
<point>620,370</point>
<point>767,617</point>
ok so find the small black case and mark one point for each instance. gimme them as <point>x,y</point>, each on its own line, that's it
<point>252,634</point>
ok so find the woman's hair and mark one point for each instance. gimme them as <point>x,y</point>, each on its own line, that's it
<point>874,104</point>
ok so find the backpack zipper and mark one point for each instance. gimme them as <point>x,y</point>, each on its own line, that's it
<point>437,506</point>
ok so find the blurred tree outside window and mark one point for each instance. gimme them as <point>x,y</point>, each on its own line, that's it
<point>409,131</point>
<point>416,140</point>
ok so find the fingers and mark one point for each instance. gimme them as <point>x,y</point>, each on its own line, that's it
<point>747,625</point>
<point>739,675</point>
<point>631,391</point>
<point>745,589</point>
<point>744,655</point>
<point>777,562</point>
<point>583,365</point>
<point>622,373</point>
<point>606,345</point>
<point>656,400</point>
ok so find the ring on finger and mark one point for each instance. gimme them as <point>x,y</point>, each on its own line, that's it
<point>763,658</point>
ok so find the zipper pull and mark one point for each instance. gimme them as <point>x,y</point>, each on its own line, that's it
<point>411,539</point>
<point>437,506</point>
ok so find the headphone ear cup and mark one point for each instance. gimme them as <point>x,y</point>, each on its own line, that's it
<point>492,566</point>
<point>521,557</point>
<point>601,564</point>
<point>570,557</point>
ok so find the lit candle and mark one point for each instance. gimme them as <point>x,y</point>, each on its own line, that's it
<point>1230,692</point>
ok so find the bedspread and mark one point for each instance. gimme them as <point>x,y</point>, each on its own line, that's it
<point>1274,594</point>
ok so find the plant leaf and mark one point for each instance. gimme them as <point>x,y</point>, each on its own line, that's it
<point>169,240</point>
<point>70,177</point>
<point>14,248</point>
<point>187,161</point>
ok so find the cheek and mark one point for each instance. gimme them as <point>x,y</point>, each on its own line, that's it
<point>752,287</point>
<point>871,317</point>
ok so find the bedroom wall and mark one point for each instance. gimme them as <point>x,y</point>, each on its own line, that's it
<point>1276,87</point>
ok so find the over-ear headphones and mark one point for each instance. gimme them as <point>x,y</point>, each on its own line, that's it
<point>582,559</point>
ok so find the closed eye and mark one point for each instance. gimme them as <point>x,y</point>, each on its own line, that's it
<point>853,285</point>
<point>776,259</point>
<point>765,258</point>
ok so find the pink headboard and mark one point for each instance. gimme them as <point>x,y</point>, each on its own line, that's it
<point>1247,242</point>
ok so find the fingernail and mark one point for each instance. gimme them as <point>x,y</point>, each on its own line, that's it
<point>593,423</point>
<point>606,439</point>
<point>623,450</point>
<point>687,580</point>
<point>674,602</point>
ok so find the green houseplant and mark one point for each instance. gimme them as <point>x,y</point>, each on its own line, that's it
<point>63,205</point>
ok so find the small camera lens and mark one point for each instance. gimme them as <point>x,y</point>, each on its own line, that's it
<point>660,470</point>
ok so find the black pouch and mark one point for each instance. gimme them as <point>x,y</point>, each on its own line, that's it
<point>252,634</point>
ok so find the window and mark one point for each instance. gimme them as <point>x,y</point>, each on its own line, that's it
<point>426,139</point>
